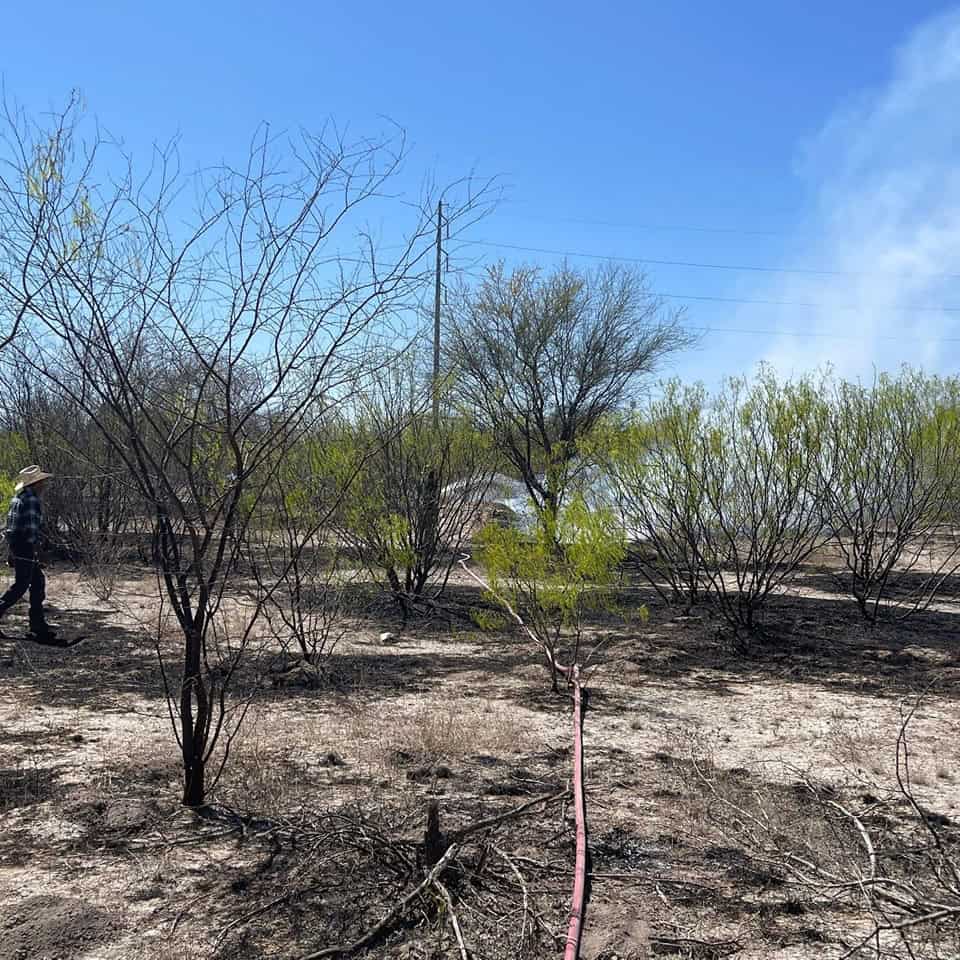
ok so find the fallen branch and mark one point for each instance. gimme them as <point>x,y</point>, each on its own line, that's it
<point>864,835</point>
<point>719,948</point>
<point>391,915</point>
<point>526,898</point>
<point>457,835</point>
<point>454,922</point>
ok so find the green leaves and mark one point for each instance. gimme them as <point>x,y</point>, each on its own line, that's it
<point>731,494</point>
<point>894,452</point>
<point>552,578</point>
<point>721,490</point>
<point>592,542</point>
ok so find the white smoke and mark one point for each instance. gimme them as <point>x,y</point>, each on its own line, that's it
<point>884,176</point>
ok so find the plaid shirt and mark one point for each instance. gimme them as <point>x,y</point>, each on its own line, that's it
<point>24,519</point>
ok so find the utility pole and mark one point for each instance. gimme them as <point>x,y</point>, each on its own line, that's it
<point>436,322</point>
<point>432,492</point>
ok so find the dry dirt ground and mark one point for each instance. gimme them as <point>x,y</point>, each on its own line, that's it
<point>315,828</point>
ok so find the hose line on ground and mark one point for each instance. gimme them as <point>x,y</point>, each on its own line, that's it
<point>578,899</point>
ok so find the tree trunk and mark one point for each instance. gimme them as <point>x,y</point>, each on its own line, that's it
<point>194,787</point>
<point>549,521</point>
<point>399,594</point>
<point>193,726</point>
<point>434,842</point>
<point>430,531</point>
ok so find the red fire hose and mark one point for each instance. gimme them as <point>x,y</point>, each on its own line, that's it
<point>578,900</point>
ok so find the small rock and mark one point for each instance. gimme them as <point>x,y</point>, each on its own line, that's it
<point>442,772</point>
<point>150,891</point>
<point>332,759</point>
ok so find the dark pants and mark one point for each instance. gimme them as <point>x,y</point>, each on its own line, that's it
<point>28,576</point>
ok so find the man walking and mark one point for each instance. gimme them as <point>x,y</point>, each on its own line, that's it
<point>23,539</point>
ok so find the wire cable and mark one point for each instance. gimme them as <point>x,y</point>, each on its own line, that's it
<point>803,271</point>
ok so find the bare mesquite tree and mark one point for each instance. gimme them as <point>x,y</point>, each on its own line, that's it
<point>417,495</point>
<point>541,360</point>
<point>894,455</point>
<point>296,559</point>
<point>204,325</point>
<point>306,579</point>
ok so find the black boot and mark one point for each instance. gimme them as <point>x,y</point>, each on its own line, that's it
<point>43,632</point>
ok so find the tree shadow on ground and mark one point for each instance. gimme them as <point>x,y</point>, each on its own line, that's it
<point>397,672</point>
<point>111,664</point>
<point>904,586</point>
<point>803,640</point>
<point>114,663</point>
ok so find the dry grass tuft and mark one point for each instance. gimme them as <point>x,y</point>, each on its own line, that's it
<point>436,732</point>
<point>281,765</point>
<point>860,748</point>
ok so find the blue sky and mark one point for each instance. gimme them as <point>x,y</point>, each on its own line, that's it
<point>743,134</point>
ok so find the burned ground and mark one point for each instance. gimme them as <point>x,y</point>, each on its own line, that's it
<point>316,827</point>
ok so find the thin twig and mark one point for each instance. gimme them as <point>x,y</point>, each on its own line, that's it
<point>865,836</point>
<point>458,835</point>
<point>186,909</point>
<point>390,915</point>
<point>163,842</point>
<point>906,788</point>
<point>454,922</point>
<point>526,899</point>
<point>253,914</point>
<point>903,925</point>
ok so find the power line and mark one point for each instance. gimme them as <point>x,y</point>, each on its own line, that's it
<point>753,331</point>
<point>805,304</point>
<point>705,266</point>
<point>777,332</point>
<point>896,308</point>
<point>651,226</point>
<point>742,301</point>
<point>824,335</point>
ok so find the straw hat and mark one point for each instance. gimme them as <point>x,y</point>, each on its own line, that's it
<point>29,476</point>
